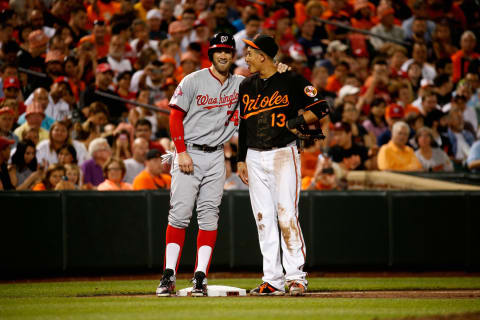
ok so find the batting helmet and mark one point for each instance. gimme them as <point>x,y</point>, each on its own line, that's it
<point>221,40</point>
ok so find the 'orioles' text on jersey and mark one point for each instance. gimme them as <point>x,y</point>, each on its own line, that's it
<point>267,104</point>
<point>211,118</point>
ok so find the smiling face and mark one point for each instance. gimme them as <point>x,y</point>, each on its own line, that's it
<point>222,61</point>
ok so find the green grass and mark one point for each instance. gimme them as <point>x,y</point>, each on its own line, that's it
<point>83,300</point>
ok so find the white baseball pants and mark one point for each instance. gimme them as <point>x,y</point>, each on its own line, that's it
<point>274,185</point>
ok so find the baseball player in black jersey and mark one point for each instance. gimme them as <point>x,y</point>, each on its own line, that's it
<point>274,109</point>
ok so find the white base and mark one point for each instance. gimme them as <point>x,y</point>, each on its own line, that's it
<point>215,291</point>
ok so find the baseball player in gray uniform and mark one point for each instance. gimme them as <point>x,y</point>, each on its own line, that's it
<point>203,117</point>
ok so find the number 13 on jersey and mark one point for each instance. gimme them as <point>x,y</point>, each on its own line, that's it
<point>278,120</point>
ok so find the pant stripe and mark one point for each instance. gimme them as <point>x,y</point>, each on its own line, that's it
<point>296,201</point>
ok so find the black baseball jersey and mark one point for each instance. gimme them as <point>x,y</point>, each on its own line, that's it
<point>267,104</point>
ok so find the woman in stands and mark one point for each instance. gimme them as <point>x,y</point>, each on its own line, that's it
<point>114,171</point>
<point>59,136</point>
<point>23,170</point>
<point>67,155</point>
<point>431,157</point>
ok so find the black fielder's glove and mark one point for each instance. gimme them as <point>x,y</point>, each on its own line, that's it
<point>299,128</point>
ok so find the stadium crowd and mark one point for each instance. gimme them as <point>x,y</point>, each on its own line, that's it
<point>405,100</point>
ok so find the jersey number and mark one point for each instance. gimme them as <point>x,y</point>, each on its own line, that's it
<point>278,120</point>
<point>232,117</point>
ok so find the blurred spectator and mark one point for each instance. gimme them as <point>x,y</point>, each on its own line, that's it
<point>100,151</point>
<point>473,160</point>
<point>396,155</point>
<point>23,169</point>
<point>443,88</point>
<point>11,90</point>
<point>461,139</point>
<point>121,148</point>
<point>114,171</point>
<point>443,47</point>
<point>32,58</point>
<point>78,22</point>
<point>99,38</point>
<point>386,27</point>
<point>246,12</point>
<point>102,10</point>
<point>252,27</point>
<point>152,177</point>
<point>143,129</point>
<point>419,11</point>
<point>323,178</point>
<point>309,157</point>
<point>336,81</point>
<point>103,79</point>
<point>419,55</point>
<point>72,171</point>
<point>431,157</point>
<point>92,128</point>
<point>59,136</point>
<point>7,118</point>
<point>219,10</point>
<point>136,163</point>
<point>345,152</point>
<point>232,180</point>
<point>57,108</point>
<point>53,180</point>
<point>376,123</point>
<point>34,118</point>
<point>5,181</point>
<point>67,155</point>
<point>463,57</point>
<point>116,56</point>
<point>349,114</point>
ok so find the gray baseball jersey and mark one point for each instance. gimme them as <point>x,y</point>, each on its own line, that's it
<point>210,107</point>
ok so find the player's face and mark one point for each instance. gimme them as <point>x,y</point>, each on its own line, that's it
<point>253,60</point>
<point>222,61</point>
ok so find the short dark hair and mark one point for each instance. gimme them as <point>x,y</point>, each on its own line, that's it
<point>10,46</point>
<point>143,122</point>
<point>441,79</point>
<point>71,149</point>
<point>189,10</point>
<point>252,17</point>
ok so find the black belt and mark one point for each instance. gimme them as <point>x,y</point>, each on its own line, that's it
<point>266,148</point>
<point>205,148</point>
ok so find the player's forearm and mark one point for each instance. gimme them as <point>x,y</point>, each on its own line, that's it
<point>474,164</point>
<point>177,130</point>
<point>242,142</point>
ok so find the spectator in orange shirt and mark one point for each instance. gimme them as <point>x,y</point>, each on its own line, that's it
<point>337,79</point>
<point>152,178</point>
<point>103,10</point>
<point>114,171</point>
<point>99,38</point>
<point>462,58</point>
<point>396,155</point>
<point>53,179</point>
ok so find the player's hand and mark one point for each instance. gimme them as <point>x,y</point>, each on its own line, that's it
<point>281,67</point>
<point>242,172</point>
<point>185,162</point>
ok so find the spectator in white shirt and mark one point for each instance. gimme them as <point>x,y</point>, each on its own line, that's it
<point>136,163</point>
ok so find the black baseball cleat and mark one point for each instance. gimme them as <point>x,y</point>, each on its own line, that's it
<point>199,284</point>
<point>167,284</point>
<point>266,289</point>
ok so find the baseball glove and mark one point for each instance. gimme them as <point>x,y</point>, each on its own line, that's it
<point>299,128</point>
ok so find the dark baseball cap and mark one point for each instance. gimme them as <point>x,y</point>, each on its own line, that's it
<point>153,153</point>
<point>264,43</point>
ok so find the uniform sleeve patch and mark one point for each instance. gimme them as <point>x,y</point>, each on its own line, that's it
<point>310,91</point>
<point>178,92</point>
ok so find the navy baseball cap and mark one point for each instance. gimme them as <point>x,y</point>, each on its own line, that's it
<point>153,153</point>
<point>264,43</point>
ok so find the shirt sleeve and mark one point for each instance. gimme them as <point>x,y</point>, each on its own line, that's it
<point>183,95</point>
<point>306,95</point>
